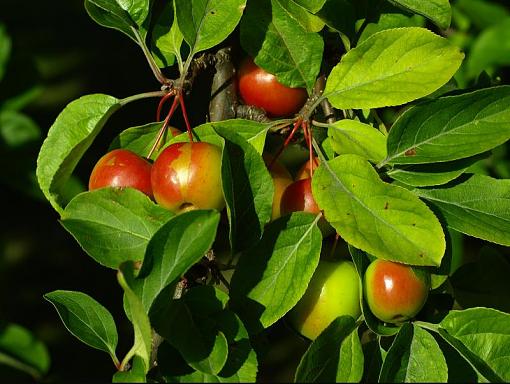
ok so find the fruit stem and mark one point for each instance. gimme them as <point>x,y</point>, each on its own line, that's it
<point>164,127</point>
<point>141,96</point>
<point>161,102</point>
<point>297,124</point>
<point>185,115</point>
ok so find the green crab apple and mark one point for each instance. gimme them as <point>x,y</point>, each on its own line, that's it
<point>261,89</point>
<point>187,176</point>
<point>395,292</point>
<point>333,291</point>
<point>122,168</point>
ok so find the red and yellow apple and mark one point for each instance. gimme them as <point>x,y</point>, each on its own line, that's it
<point>187,176</point>
<point>122,168</point>
<point>281,180</point>
<point>395,292</point>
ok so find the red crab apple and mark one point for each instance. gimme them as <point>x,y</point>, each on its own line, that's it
<point>187,176</point>
<point>304,171</point>
<point>261,89</point>
<point>395,292</point>
<point>122,168</point>
<point>281,180</point>
<point>333,291</point>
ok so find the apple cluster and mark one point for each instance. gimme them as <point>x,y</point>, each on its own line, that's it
<point>187,176</point>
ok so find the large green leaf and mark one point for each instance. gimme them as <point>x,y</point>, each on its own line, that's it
<point>389,19</point>
<point>252,131</point>
<point>312,5</point>
<point>86,319</point>
<point>190,324</point>
<point>124,16</point>
<point>114,225</point>
<point>425,175</point>
<point>206,23</point>
<point>339,15</point>
<point>271,277</point>
<point>68,138</point>
<point>439,11</point>
<point>484,333</point>
<point>5,50</point>
<point>482,13</point>
<point>142,344</point>
<point>387,221</point>
<point>172,250</point>
<point>392,67</point>
<point>167,38</point>
<point>140,139</point>
<point>334,357</point>
<point>478,206</point>
<point>309,21</point>
<point>280,45</point>
<point>248,190</point>
<point>451,127</point>
<point>414,357</point>
<point>354,137</point>
<point>20,349</point>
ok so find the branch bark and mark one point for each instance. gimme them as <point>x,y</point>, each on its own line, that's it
<point>223,90</point>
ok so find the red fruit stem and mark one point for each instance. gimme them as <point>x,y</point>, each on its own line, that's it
<point>185,115</point>
<point>309,138</point>
<point>297,124</point>
<point>164,127</point>
<point>161,103</point>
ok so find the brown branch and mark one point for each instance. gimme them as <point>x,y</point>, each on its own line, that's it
<point>327,108</point>
<point>251,112</point>
<point>223,90</point>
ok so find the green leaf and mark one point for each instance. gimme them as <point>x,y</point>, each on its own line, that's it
<point>17,129</point>
<point>354,137</point>
<point>167,38</point>
<point>142,327</point>
<point>307,20</point>
<point>124,16</point>
<point>206,23</point>
<point>172,250</point>
<point>68,138</point>
<point>483,332</point>
<point>20,349</point>
<point>490,273</point>
<point>438,11</point>
<point>271,277</point>
<point>425,175</point>
<point>384,220</point>
<point>140,139</point>
<point>252,131</point>
<point>491,48</point>
<point>392,67</point>
<point>451,127</point>
<point>334,357</point>
<point>135,375</point>
<point>114,225</point>
<point>280,45</point>
<point>193,318</point>
<point>478,206</point>
<point>339,15</point>
<point>389,19</point>
<point>312,5</point>
<point>248,190</point>
<point>414,357</point>
<point>5,50</point>
<point>86,319</point>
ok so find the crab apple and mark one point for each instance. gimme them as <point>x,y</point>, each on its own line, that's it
<point>187,176</point>
<point>395,292</point>
<point>333,291</point>
<point>304,172</point>
<point>261,89</point>
<point>122,168</point>
<point>281,180</point>
<point>298,197</point>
